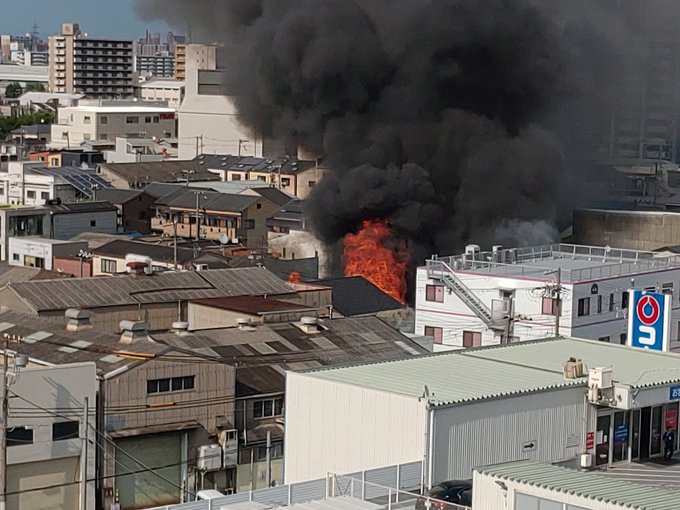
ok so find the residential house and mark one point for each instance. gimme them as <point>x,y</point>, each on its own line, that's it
<point>222,217</point>
<point>467,300</point>
<point>114,257</point>
<point>106,121</point>
<point>70,219</point>
<point>135,208</point>
<point>139,149</point>
<point>46,432</point>
<point>81,158</point>
<point>262,353</point>
<point>140,175</point>
<point>160,299</point>
<point>39,252</point>
<point>150,408</point>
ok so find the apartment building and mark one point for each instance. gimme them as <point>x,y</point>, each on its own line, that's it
<point>507,295</point>
<point>161,65</point>
<point>96,67</point>
<point>194,56</point>
<point>159,89</point>
<point>105,121</point>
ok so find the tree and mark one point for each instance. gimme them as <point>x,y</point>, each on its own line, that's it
<point>13,90</point>
<point>34,87</point>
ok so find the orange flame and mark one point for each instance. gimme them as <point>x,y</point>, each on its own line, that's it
<point>377,255</point>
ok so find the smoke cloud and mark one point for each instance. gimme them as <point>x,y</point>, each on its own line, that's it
<point>458,121</point>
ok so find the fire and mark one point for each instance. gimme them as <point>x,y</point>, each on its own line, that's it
<point>377,255</point>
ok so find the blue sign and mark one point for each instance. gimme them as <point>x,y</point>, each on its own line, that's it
<point>674,393</point>
<point>648,320</point>
<point>621,434</point>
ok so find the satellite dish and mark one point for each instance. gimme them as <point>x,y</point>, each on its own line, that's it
<point>607,249</point>
<point>224,238</point>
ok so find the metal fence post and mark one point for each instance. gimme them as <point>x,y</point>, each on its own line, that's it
<point>389,499</point>
<point>363,485</point>
<point>210,505</point>
<point>351,484</point>
<point>396,500</point>
<point>290,494</point>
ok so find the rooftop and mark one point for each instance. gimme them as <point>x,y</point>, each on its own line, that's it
<point>285,165</point>
<point>354,295</point>
<point>252,304</point>
<point>81,207</point>
<point>121,109</point>
<point>594,486</point>
<point>577,262</point>
<point>308,268</point>
<point>264,353</point>
<point>160,172</point>
<point>118,196</point>
<point>158,288</point>
<point>498,371</point>
<point>158,252</point>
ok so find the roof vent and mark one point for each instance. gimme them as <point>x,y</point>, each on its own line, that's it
<point>310,325</point>
<point>309,321</point>
<point>78,320</point>
<point>133,331</point>
<point>245,324</point>
<point>180,327</point>
<point>573,368</point>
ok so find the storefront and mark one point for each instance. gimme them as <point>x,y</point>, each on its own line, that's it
<point>636,434</point>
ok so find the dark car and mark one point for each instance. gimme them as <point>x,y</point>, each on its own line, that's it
<point>458,492</point>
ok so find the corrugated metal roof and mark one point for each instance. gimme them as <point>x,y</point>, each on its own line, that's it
<point>594,486</point>
<point>159,288</point>
<point>490,372</point>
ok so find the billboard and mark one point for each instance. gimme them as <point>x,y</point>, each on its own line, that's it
<point>649,320</point>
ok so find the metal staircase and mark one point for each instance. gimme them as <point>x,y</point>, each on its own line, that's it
<point>438,270</point>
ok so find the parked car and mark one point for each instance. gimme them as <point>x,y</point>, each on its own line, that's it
<point>458,492</point>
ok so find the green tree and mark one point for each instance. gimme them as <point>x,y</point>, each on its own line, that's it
<point>34,87</point>
<point>13,90</point>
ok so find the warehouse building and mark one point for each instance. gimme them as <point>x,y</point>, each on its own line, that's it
<point>469,408</point>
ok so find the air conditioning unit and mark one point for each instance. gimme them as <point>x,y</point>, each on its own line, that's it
<point>201,267</point>
<point>600,378</point>
<point>586,461</point>
<point>209,457</point>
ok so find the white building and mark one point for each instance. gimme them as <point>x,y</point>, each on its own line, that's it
<point>209,122</point>
<point>78,124</point>
<point>40,251</point>
<point>468,408</point>
<point>465,300</point>
<point>526,485</point>
<point>44,447</point>
<point>136,149</point>
<point>159,89</point>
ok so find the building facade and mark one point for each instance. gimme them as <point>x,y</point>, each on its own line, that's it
<point>98,68</point>
<point>483,298</point>
<point>194,56</point>
<point>168,90</point>
<point>40,252</point>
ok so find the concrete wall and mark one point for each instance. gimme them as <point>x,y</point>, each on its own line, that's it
<point>338,428</point>
<point>21,247</point>
<point>633,230</point>
<point>68,225</point>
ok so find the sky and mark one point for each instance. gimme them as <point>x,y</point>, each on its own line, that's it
<point>98,18</point>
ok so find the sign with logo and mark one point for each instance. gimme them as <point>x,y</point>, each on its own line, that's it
<point>671,419</point>
<point>674,393</point>
<point>621,434</point>
<point>648,320</point>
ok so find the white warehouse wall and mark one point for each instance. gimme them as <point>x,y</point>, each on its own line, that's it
<point>494,431</point>
<point>339,428</point>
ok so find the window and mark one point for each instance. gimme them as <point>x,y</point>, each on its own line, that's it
<point>156,119</point>
<point>170,384</point>
<point>30,194</point>
<point>285,181</point>
<point>65,430</point>
<point>623,337</point>
<point>611,302</point>
<point>147,120</point>
<point>108,266</point>
<point>599,304</point>
<point>93,223</point>
<point>31,261</point>
<point>268,408</point>
<point>472,339</point>
<point>45,195</point>
<point>583,306</point>
<point>104,119</point>
<point>250,224</point>
<point>2,190</point>
<point>667,288</point>
<point>87,136</point>
<point>17,436</point>
<point>436,333</point>
<point>87,120</point>
<point>276,451</point>
<point>235,177</point>
<point>15,256</point>
<point>259,206</point>
<point>311,184</point>
<point>549,306</point>
<point>624,300</point>
<point>603,339</point>
<point>132,120</point>
<point>434,293</point>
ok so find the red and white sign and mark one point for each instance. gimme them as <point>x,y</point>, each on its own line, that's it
<point>590,440</point>
<point>672,419</point>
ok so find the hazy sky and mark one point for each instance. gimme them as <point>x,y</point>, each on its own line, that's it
<point>106,18</point>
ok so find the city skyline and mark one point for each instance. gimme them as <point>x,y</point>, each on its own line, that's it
<point>101,19</point>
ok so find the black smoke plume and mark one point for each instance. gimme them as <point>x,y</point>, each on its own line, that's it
<point>458,120</point>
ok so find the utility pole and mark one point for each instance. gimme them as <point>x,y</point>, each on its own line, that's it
<point>198,194</point>
<point>269,459</point>
<point>83,460</point>
<point>509,325</point>
<point>558,301</point>
<point>174,243</point>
